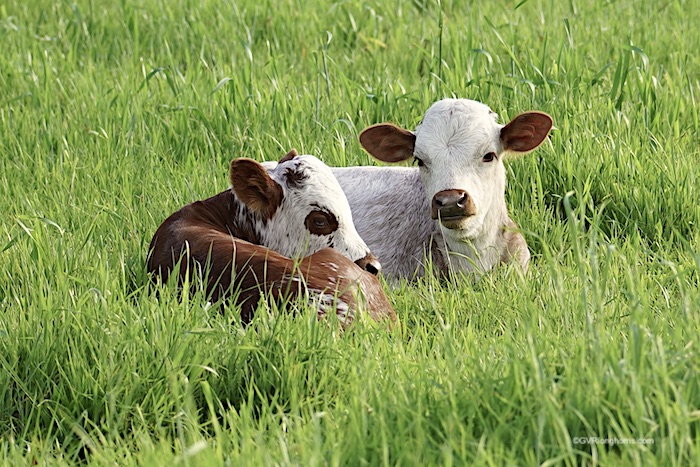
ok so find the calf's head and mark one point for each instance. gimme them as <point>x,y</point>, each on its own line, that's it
<point>459,149</point>
<point>300,208</point>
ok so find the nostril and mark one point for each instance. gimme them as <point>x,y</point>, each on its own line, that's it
<point>463,200</point>
<point>370,264</point>
<point>373,267</point>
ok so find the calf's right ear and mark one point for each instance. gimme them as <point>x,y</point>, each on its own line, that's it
<point>388,143</point>
<point>254,187</point>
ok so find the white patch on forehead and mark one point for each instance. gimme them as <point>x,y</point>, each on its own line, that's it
<point>456,127</point>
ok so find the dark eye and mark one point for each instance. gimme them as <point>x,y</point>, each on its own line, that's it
<point>418,162</point>
<point>489,157</point>
<point>320,222</point>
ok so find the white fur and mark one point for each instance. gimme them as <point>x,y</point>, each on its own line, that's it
<point>319,191</point>
<point>391,212</point>
<point>451,141</point>
<point>391,206</point>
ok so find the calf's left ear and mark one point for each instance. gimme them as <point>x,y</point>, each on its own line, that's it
<point>526,131</point>
<point>254,187</point>
<point>387,142</point>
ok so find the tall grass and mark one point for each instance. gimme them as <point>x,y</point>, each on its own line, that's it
<point>114,114</point>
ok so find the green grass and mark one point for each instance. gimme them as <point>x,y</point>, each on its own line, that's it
<point>114,114</point>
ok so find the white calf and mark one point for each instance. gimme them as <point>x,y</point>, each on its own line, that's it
<point>460,182</point>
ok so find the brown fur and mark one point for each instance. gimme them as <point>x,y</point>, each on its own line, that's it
<point>215,239</point>
<point>321,223</point>
<point>239,269</point>
<point>526,131</point>
<point>387,142</point>
<point>254,187</point>
<point>289,156</point>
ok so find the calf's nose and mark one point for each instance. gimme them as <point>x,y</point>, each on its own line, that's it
<point>370,263</point>
<point>451,204</point>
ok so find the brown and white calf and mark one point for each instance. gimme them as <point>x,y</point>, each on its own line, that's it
<point>293,210</point>
<point>451,208</point>
<point>244,272</point>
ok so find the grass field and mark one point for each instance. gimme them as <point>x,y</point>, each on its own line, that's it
<point>115,114</point>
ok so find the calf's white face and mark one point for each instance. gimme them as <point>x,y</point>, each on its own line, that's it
<point>301,208</point>
<point>459,148</point>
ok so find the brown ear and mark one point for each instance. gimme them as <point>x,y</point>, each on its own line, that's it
<point>254,187</point>
<point>289,156</point>
<point>526,131</point>
<point>387,142</point>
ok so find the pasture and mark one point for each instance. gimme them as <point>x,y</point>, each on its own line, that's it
<point>115,114</point>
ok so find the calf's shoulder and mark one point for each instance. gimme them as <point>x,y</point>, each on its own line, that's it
<point>515,247</point>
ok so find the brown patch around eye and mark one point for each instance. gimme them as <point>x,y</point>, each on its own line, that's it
<point>321,223</point>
